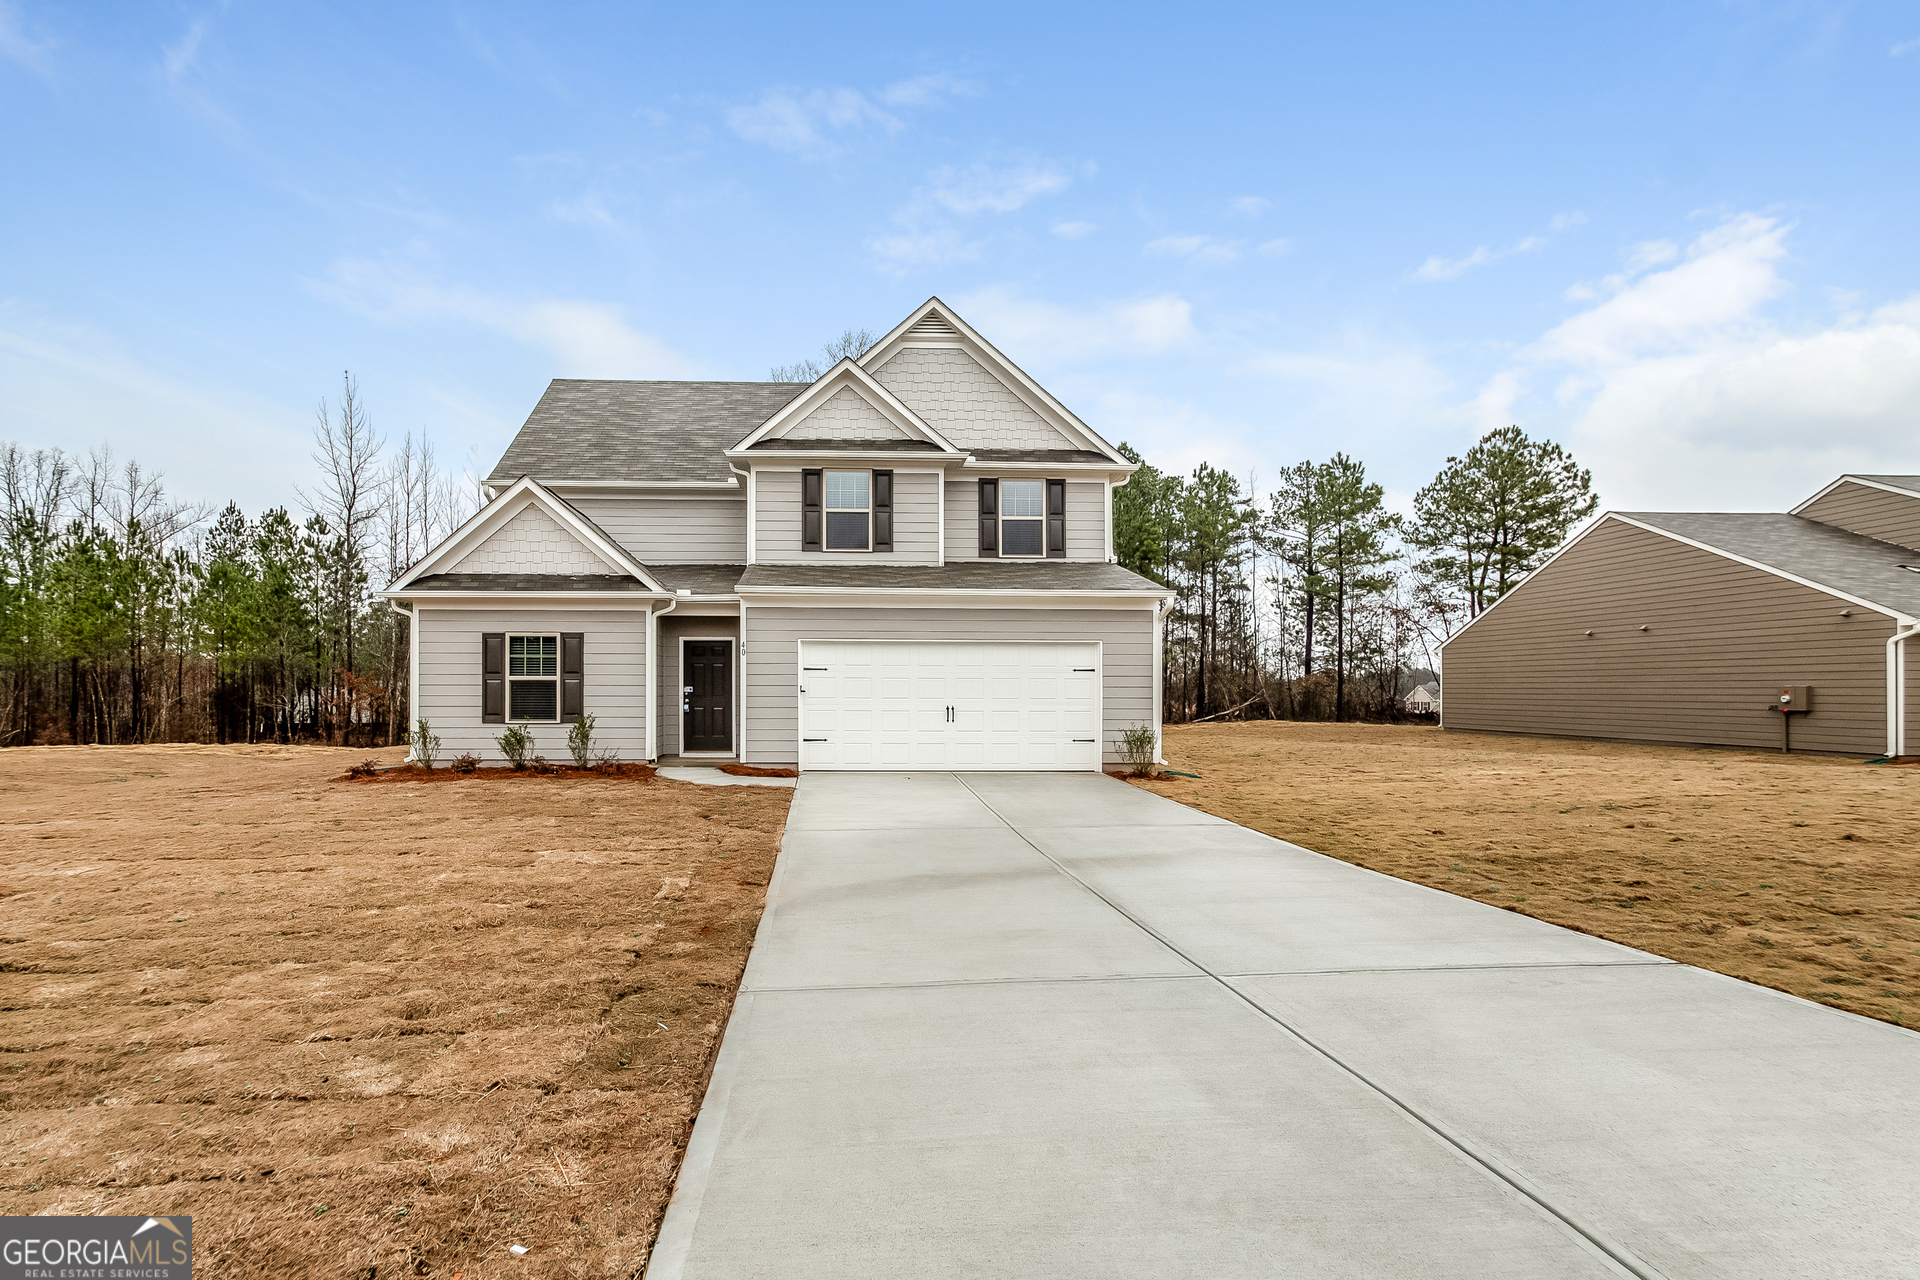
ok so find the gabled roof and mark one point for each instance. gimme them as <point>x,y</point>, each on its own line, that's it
<point>1907,486</point>
<point>1853,566</point>
<point>1033,576</point>
<point>845,376</point>
<point>598,430</point>
<point>524,492</point>
<point>934,323</point>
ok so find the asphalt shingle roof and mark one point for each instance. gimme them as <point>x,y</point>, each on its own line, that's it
<point>851,446</point>
<point>598,429</point>
<point>1040,455</point>
<point>971,575</point>
<point>701,579</point>
<point>527,582</point>
<point>1862,567</point>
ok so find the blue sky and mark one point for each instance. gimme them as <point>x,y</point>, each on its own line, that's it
<point>1680,238</point>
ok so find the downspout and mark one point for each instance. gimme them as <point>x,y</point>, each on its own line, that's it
<point>1160,675</point>
<point>653,677</point>
<point>740,645</point>
<point>413,671</point>
<point>1897,687</point>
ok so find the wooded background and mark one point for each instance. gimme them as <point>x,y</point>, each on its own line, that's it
<point>129,616</point>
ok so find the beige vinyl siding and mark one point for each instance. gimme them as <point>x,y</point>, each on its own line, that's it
<point>1722,639</point>
<point>1890,517</point>
<point>672,629</point>
<point>773,657</point>
<point>916,521</point>
<point>615,677</point>
<point>673,530</point>
<point>1086,519</point>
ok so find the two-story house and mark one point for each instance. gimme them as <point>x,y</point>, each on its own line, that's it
<point>907,564</point>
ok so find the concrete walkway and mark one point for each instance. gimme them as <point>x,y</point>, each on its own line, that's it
<point>1001,1025</point>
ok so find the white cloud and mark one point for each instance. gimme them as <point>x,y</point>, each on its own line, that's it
<point>1208,251</point>
<point>807,124</point>
<point>1681,392</point>
<point>1436,268</point>
<point>16,44</point>
<point>584,339</point>
<point>1074,230</point>
<point>986,188</point>
<point>1904,48</point>
<point>928,91</point>
<point>180,57</point>
<point>1275,248</point>
<point>585,211</point>
<point>1026,328</point>
<point>1250,206</point>
<point>930,248</point>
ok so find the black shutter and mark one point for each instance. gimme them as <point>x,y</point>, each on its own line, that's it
<point>990,518</point>
<point>1057,519</point>
<point>883,511</point>
<point>493,677</point>
<point>811,520</point>
<point>572,674</point>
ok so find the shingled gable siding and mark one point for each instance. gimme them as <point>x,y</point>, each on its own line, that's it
<point>846,415</point>
<point>1890,517</point>
<point>773,663</point>
<point>1722,638</point>
<point>1086,519</point>
<point>963,402</point>
<point>531,541</point>
<point>916,520</point>
<point>672,628</point>
<point>662,530</point>
<point>615,677</point>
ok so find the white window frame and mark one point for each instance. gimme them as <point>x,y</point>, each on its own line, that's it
<point>1000,501</point>
<point>554,679</point>
<point>827,513</point>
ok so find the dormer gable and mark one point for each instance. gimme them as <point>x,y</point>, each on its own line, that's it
<point>935,362</point>
<point>1883,507</point>
<point>845,405</point>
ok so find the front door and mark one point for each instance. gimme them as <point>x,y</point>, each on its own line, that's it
<point>706,719</point>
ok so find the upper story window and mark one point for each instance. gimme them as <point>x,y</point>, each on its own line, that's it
<point>849,508</point>
<point>533,678</point>
<point>1023,518</point>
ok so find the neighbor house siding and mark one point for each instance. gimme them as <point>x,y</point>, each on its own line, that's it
<point>615,670</point>
<point>774,634</point>
<point>1890,517</point>
<point>672,630</point>
<point>662,530</point>
<point>1086,519</point>
<point>916,521</point>
<point>1722,639</point>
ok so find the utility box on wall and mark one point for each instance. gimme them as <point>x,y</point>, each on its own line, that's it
<point>1794,698</point>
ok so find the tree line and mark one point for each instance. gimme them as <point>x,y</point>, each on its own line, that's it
<point>128,616</point>
<point>1319,603</point>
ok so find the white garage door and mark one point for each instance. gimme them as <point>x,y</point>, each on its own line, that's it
<point>869,704</point>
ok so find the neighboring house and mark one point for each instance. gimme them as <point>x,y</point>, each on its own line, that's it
<point>1686,627</point>
<point>906,564</point>
<point>1424,699</point>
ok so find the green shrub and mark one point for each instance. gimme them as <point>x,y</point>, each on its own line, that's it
<point>426,745</point>
<point>516,744</point>
<point>1139,746</point>
<point>580,741</point>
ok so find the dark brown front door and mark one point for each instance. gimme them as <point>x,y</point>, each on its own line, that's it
<point>706,721</point>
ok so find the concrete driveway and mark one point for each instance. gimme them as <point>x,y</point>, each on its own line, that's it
<point>1050,1025</point>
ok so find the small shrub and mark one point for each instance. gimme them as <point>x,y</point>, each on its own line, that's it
<point>580,741</point>
<point>540,764</point>
<point>466,763</point>
<point>607,762</point>
<point>1138,746</point>
<point>365,769</point>
<point>426,745</point>
<point>516,744</point>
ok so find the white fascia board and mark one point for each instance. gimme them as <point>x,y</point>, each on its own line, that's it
<point>1082,470</point>
<point>523,493</point>
<point>1038,398</point>
<point>729,487</point>
<point>819,457</point>
<point>535,599</point>
<point>1709,548</point>
<point>843,376</point>
<point>1863,482</point>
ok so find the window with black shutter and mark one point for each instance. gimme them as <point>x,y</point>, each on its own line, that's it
<point>573,672</point>
<point>1056,519</point>
<point>883,511</point>
<point>493,677</point>
<point>811,516</point>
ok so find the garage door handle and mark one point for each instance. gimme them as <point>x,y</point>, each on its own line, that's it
<point>1088,670</point>
<point>813,739</point>
<point>1086,739</point>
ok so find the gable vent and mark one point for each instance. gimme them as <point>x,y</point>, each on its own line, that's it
<point>932,325</point>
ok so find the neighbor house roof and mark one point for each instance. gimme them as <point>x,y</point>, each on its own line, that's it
<point>976,575</point>
<point>1853,564</point>
<point>638,432</point>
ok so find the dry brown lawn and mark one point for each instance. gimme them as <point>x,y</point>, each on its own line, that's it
<point>364,1029</point>
<point>1797,872</point>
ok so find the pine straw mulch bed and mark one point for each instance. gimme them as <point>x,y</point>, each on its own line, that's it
<point>365,1031</point>
<point>1800,872</point>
